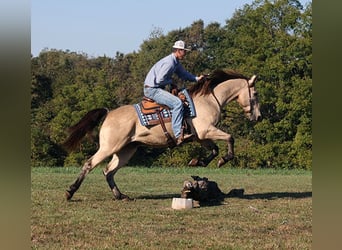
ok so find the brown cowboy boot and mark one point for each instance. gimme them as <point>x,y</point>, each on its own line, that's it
<point>183,137</point>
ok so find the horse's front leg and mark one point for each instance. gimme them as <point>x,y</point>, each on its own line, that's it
<point>210,145</point>
<point>213,133</point>
<point>230,154</point>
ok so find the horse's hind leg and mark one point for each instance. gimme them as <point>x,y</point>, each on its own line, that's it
<point>120,159</point>
<point>89,165</point>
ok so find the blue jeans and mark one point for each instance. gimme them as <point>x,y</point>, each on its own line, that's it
<point>173,102</point>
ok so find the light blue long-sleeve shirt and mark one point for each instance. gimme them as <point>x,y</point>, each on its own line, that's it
<point>161,73</point>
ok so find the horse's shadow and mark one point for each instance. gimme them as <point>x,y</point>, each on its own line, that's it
<point>220,201</point>
<point>158,196</point>
<point>276,195</point>
<point>257,196</point>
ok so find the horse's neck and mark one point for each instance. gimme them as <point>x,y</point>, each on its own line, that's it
<point>227,91</point>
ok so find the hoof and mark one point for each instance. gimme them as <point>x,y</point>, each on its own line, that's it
<point>221,162</point>
<point>193,162</point>
<point>123,197</point>
<point>224,160</point>
<point>68,195</point>
<point>196,163</point>
<point>127,199</point>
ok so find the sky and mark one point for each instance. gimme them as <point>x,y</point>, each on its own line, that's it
<point>104,27</point>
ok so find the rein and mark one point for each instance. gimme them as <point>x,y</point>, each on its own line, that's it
<point>217,101</point>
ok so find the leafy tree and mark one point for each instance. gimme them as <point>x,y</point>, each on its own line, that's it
<point>272,39</point>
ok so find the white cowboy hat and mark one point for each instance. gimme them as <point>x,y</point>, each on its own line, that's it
<point>180,45</point>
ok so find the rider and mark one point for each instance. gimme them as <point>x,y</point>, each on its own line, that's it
<point>160,75</point>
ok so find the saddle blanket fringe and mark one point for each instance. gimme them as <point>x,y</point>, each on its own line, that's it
<point>152,119</point>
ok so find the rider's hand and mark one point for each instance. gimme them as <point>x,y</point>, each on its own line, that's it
<point>198,78</point>
<point>174,89</point>
<point>182,96</point>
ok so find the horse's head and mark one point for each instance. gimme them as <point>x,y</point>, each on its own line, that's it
<point>243,91</point>
<point>248,100</point>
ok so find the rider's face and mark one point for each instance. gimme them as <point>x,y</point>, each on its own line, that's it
<point>180,53</point>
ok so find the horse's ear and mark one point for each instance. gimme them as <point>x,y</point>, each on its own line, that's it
<point>251,81</point>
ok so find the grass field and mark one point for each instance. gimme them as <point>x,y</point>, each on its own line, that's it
<point>275,213</point>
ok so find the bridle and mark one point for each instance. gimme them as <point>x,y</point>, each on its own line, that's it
<point>251,100</point>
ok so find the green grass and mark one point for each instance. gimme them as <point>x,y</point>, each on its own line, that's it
<point>276,213</point>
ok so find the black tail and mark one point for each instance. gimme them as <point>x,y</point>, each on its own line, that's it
<point>85,125</point>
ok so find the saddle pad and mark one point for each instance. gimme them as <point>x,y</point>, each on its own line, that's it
<point>152,119</point>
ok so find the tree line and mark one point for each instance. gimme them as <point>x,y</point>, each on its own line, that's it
<point>272,39</point>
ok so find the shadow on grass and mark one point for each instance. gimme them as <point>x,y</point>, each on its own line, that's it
<point>267,196</point>
<point>170,196</point>
<point>158,196</point>
<point>277,195</point>
<point>220,201</point>
<point>75,200</point>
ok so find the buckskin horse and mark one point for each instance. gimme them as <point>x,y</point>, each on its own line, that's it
<point>121,132</point>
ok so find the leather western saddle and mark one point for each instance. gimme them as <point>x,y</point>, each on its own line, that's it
<point>149,106</point>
